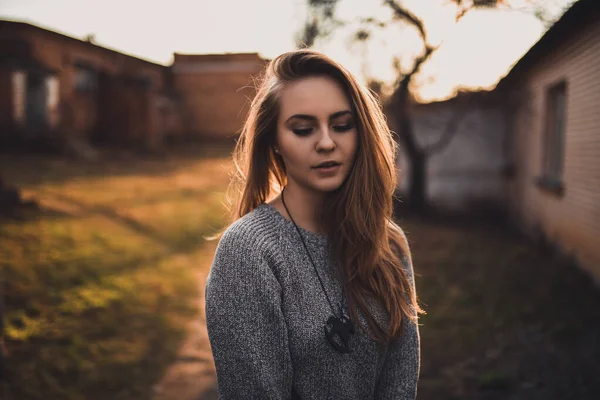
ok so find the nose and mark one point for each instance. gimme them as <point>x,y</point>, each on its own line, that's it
<point>325,142</point>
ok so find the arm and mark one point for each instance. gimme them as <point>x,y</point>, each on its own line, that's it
<point>246,327</point>
<point>400,372</point>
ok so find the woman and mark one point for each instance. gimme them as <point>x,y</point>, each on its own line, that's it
<point>311,292</point>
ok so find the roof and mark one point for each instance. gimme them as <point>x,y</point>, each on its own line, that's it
<point>481,97</point>
<point>28,26</point>
<point>578,16</point>
<point>223,57</point>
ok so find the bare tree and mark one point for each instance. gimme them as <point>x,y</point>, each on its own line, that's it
<point>322,22</point>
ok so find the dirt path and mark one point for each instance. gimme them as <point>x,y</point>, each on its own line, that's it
<point>192,376</point>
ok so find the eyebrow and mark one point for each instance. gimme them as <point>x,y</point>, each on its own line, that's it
<point>313,118</point>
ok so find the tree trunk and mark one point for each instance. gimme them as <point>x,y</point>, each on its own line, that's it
<point>417,159</point>
<point>417,195</point>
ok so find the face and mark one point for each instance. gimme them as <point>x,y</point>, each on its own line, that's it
<point>316,134</point>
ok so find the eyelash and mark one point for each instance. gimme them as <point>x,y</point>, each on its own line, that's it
<point>337,128</point>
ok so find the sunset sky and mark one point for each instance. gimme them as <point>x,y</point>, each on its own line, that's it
<point>476,52</point>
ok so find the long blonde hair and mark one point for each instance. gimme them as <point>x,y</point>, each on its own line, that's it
<point>369,247</point>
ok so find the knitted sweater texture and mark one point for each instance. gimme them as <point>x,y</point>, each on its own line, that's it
<point>266,312</point>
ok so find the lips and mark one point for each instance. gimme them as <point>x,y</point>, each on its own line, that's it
<point>327,164</point>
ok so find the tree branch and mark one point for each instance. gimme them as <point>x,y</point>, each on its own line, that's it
<point>421,59</point>
<point>402,13</point>
<point>320,22</point>
<point>449,132</point>
<point>464,102</point>
<point>373,21</point>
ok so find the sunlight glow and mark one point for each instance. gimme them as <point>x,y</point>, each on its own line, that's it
<point>475,53</point>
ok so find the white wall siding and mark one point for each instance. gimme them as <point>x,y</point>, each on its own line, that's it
<point>468,169</point>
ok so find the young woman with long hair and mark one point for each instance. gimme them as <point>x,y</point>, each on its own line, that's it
<point>311,293</point>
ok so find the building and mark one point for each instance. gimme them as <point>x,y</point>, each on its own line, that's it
<point>65,90</point>
<point>532,145</point>
<point>465,140</point>
<point>552,104</point>
<point>216,90</point>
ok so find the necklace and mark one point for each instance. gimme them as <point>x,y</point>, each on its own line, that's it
<point>338,328</point>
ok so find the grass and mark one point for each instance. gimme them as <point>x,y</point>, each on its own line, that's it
<point>504,318</point>
<point>99,283</point>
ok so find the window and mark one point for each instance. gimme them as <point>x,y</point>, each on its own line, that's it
<point>143,81</point>
<point>86,79</point>
<point>553,138</point>
<point>19,85</point>
<point>53,89</point>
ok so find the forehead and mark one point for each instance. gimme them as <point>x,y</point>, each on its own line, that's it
<point>317,96</point>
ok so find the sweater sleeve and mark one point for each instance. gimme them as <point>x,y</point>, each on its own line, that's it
<point>246,326</point>
<point>400,374</point>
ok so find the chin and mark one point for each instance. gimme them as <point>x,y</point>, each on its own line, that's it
<point>327,186</point>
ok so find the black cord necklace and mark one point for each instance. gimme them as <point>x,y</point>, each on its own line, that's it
<point>338,328</point>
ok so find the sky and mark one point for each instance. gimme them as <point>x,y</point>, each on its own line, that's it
<point>476,52</point>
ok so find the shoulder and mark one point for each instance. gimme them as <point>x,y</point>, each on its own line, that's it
<point>252,238</point>
<point>253,231</point>
<point>246,252</point>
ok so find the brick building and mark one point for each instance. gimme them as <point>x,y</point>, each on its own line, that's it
<point>216,89</point>
<point>61,88</point>
<point>56,88</point>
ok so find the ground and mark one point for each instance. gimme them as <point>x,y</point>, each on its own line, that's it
<point>99,284</point>
<point>506,320</point>
<point>102,290</point>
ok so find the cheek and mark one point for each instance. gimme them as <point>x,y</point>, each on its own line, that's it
<point>292,148</point>
<point>352,145</point>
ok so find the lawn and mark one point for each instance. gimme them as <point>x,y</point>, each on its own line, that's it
<point>99,283</point>
<point>506,320</point>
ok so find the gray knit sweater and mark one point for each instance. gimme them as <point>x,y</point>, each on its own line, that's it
<point>266,312</point>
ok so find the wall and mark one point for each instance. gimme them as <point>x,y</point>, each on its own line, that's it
<point>216,91</point>
<point>80,116</point>
<point>572,221</point>
<point>468,171</point>
<point>6,102</point>
<point>200,95</point>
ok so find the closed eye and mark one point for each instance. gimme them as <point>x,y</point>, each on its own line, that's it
<point>343,128</point>
<point>302,131</point>
<point>338,128</point>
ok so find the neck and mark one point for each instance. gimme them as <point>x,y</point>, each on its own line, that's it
<point>303,206</point>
